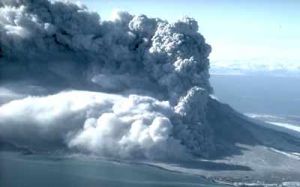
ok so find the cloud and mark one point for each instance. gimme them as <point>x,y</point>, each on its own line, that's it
<point>150,80</point>
<point>133,87</point>
<point>98,123</point>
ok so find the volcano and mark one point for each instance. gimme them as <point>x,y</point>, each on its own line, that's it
<point>133,88</point>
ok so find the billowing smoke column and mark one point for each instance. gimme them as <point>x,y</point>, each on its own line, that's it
<point>146,82</point>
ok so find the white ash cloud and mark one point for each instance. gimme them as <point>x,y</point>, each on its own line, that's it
<point>97,123</point>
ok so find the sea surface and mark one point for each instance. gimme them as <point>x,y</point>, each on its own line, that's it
<point>19,170</point>
<point>259,94</point>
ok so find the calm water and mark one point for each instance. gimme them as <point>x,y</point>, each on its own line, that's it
<point>259,94</point>
<point>18,170</point>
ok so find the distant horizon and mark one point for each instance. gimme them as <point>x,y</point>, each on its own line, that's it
<point>263,32</point>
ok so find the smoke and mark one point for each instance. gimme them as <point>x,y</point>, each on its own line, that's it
<point>150,82</point>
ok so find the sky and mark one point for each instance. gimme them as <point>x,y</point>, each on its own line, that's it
<point>264,31</point>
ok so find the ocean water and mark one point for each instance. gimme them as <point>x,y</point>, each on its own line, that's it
<point>259,94</point>
<point>18,170</point>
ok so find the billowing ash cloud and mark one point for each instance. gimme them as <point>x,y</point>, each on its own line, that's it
<point>100,123</point>
<point>149,78</point>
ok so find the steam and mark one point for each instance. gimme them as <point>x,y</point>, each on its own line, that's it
<point>149,78</point>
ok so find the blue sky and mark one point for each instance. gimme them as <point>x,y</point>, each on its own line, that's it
<point>241,30</point>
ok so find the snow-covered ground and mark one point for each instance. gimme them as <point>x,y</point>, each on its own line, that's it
<point>287,124</point>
